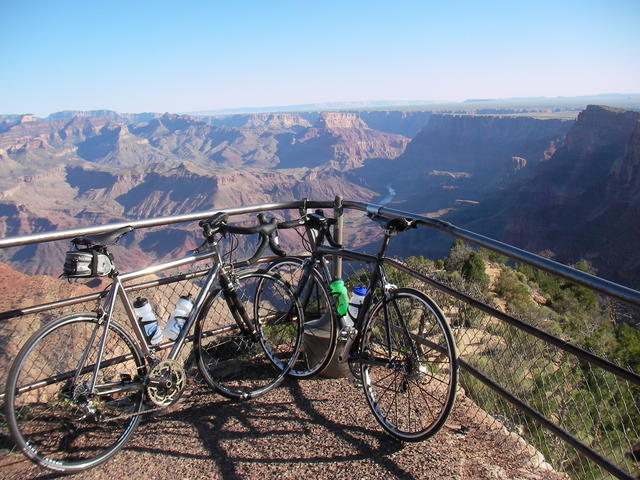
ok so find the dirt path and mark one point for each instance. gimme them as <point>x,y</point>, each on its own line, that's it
<point>318,429</point>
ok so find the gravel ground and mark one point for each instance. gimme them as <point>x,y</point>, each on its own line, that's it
<point>318,429</point>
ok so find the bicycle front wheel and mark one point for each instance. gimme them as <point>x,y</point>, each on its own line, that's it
<point>246,347</point>
<point>52,416</point>
<point>409,366</point>
<point>320,323</point>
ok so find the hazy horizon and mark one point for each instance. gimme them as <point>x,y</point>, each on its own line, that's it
<point>613,99</point>
<point>198,56</point>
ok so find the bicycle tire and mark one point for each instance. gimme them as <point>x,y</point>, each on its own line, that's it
<point>56,424</point>
<point>320,321</point>
<point>235,363</point>
<point>410,390</point>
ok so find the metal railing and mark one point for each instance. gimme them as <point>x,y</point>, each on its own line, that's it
<point>493,342</point>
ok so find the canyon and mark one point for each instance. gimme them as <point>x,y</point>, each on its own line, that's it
<point>583,204</point>
<point>541,184</point>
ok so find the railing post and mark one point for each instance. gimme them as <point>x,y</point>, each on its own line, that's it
<point>303,210</point>
<point>338,234</point>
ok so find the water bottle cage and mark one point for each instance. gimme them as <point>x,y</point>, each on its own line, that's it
<point>145,326</point>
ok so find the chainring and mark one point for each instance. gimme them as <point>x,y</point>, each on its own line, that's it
<point>165,383</point>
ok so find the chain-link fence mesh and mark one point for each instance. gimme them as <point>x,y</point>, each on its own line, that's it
<point>593,405</point>
<point>596,407</point>
<point>15,331</point>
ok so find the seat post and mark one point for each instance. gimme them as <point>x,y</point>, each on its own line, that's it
<point>385,244</point>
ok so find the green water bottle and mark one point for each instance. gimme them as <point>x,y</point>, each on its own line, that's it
<point>339,292</point>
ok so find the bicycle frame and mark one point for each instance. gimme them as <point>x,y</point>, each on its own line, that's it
<point>374,281</point>
<point>117,290</point>
<point>377,279</point>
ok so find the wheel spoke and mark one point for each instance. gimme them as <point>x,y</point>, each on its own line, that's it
<point>320,331</point>
<point>410,396</point>
<point>59,422</point>
<point>242,366</point>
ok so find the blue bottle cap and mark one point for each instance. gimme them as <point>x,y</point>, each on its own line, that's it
<point>362,291</point>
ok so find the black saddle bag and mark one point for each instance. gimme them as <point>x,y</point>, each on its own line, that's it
<point>89,262</point>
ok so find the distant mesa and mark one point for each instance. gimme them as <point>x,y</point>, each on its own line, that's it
<point>28,118</point>
<point>479,100</point>
<point>453,175</point>
<point>276,120</point>
<point>332,120</point>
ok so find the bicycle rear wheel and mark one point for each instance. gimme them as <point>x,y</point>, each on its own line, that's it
<point>50,412</point>
<point>234,361</point>
<point>409,366</point>
<point>320,323</point>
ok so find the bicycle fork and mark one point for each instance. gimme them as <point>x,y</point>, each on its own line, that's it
<point>236,307</point>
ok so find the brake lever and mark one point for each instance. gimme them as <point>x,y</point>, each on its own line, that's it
<point>205,245</point>
<point>274,244</point>
<point>207,231</point>
<point>263,220</point>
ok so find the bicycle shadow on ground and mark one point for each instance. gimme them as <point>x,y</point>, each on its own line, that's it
<point>289,427</point>
<point>320,428</point>
<point>306,424</point>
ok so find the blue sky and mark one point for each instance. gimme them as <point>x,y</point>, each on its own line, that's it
<point>134,56</point>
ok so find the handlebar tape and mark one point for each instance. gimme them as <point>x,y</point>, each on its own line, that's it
<point>218,223</point>
<point>274,241</point>
<point>317,221</point>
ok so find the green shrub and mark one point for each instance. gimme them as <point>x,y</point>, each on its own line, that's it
<point>509,286</point>
<point>473,270</point>
<point>492,256</point>
<point>458,255</point>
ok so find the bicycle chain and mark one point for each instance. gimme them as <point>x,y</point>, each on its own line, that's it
<point>129,415</point>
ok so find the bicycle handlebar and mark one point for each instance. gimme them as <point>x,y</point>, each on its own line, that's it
<point>316,221</point>
<point>218,224</point>
<point>321,223</point>
<point>268,230</point>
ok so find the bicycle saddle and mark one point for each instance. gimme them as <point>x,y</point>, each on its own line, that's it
<point>393,224</point>
<point>400,224</point>
<point>102,239</point>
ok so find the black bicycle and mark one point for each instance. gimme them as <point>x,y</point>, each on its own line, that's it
<point>78,386</point>
<point>400,346</point>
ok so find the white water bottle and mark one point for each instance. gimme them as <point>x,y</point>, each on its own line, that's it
<point>178,318</point>
<point>148,320</point>
<point>357,297</point>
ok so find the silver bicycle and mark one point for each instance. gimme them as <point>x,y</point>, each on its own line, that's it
<point>78,387</point>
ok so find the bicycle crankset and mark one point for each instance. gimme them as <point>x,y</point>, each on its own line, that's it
<point>166,382</point>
